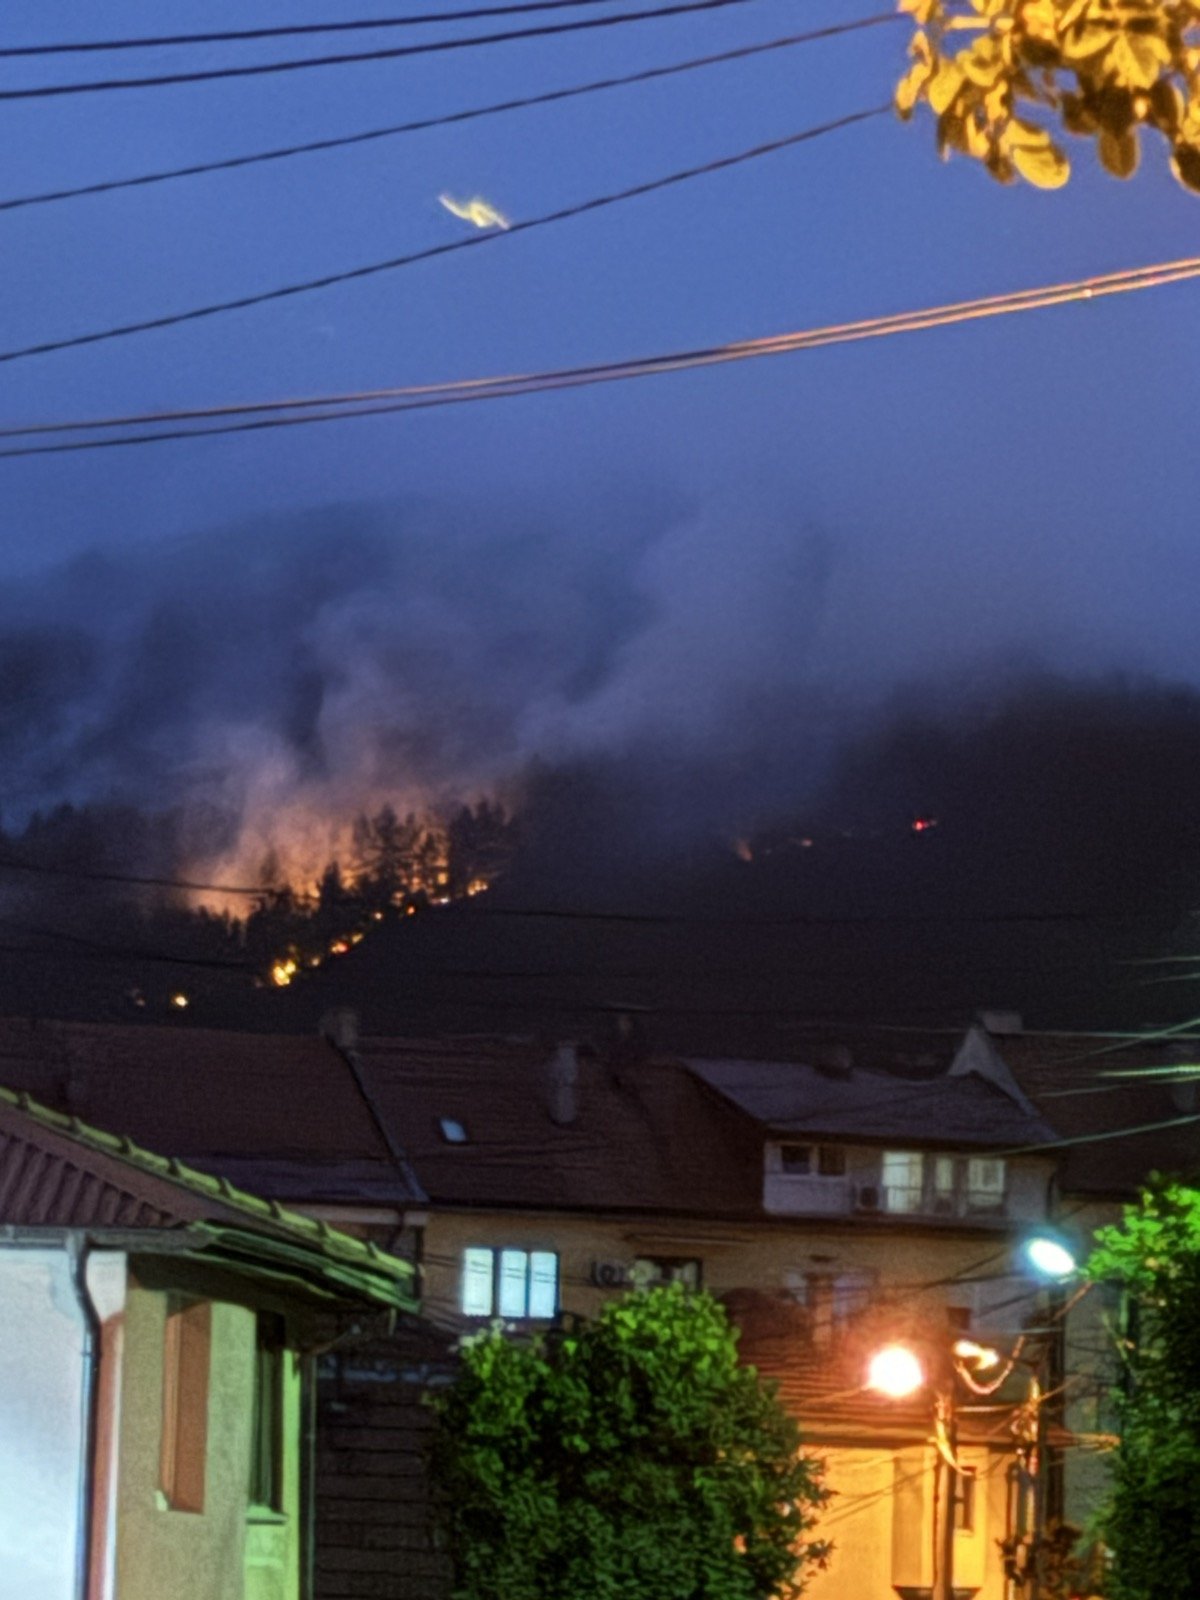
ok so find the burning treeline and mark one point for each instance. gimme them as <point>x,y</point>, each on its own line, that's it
<point>116,880</point>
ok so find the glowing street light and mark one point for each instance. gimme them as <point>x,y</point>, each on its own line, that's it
<point>1050,1256</point>
<point>895,1371</point>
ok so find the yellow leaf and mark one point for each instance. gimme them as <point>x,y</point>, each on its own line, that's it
<point>1041,20</point>
<point>982,63</point>
<point>922,10</point>
<point>944,85</point>
<point>1136,58</point>
<point>1045,166</point>
<point>1167,105</point>
<point>1091,41</point>
<point>1119,152</point>
<point>1026,135</point>
<point>908,90</point>
<point>977,142</point>
<point>1185,164</point>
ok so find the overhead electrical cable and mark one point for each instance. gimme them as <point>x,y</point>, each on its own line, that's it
<point>427,47</point>
<point>9,863</point>
<point>291,30</point>
<point>461,391</point>
<point>447,119</point>
<point>450,247</point>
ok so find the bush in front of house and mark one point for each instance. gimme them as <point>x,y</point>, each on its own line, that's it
<point>629,1458</point>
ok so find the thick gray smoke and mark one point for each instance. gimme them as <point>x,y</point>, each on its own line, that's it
<point>312,664</point>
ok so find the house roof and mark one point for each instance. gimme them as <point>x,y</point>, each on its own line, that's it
<point>1072,1080</point>
<point>791,1098</point>
<point>283,1114</point>
<point>646,1136</point>
<point>58,1173</point>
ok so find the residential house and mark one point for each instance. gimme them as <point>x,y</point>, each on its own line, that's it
<point>157,1335</point>
<point>834,1205</point>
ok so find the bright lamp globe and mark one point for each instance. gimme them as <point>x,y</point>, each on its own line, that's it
<point>895,1372</point>
<point>1050,1258</point>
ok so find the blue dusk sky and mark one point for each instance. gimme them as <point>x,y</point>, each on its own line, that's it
<point>1024,488</point>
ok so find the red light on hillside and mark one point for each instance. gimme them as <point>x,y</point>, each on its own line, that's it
<point>923,824</point>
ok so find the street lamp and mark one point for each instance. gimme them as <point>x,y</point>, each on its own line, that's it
<point>1050,1254</point>
<point>895,1371</point>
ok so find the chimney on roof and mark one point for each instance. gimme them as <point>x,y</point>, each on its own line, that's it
<point>835,1061</point>
<point>340,1027</point>
<point>1001,1024</point>
<point>562,1074</point>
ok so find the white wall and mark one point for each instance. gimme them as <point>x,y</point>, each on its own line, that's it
<point>41,1424</point>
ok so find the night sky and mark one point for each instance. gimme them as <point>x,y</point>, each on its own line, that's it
<point>812,527</point>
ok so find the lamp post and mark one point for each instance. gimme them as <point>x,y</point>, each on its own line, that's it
<point>898,1372</point>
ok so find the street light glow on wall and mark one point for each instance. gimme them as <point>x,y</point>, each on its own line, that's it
<point>895,1371</point>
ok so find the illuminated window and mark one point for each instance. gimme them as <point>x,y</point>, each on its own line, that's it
<point>514,1284</point>
<point>187,1343</point>
<point>266,1424</point>
<point>903,1175</point>
<point>985,1184</point>
<point>452,1131</point>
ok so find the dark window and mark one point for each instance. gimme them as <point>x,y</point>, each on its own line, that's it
<point>831,1161</point>
<point>266,1428</point>
<point>183,1454</point>
<point>795,1159</point>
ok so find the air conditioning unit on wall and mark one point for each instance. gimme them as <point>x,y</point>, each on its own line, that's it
<point>868,1197</point>
<point>610,1274</point>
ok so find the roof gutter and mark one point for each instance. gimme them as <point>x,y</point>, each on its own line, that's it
<point>77,1249</point>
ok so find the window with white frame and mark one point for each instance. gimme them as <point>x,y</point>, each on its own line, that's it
<point>809,1161</point>
<point>517,1285</point>
<point>903,1180</point>
<point>985,1183</point>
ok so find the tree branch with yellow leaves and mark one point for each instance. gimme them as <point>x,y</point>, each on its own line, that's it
<point>1003,77</point>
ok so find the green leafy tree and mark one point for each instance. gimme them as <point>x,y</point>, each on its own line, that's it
<point>1152,1522</point>
<point>1001,76</point>
<point>631,1458</point>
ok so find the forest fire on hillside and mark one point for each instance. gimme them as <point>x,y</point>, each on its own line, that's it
<point>316,907</point>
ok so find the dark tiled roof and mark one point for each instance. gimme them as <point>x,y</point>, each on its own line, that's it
<point>1066,1078</point>
<point>57,1172</point>
<point>282,1114</point>
<point>647,1137</point>
<point>787,1097</point>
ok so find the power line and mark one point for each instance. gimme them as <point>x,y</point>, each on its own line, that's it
<point>448,119</point>
<point>289,30</point>
<point>88,875</point>
<point>1102,1138</point>
<point>471,241</point>
<point>500,387</point>
<point>392,53</point>
<point>888,918</point>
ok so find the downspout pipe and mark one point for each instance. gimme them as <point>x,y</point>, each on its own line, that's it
<point>77,1249</point>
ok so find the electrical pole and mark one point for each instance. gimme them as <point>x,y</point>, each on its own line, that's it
<point>947,1444</point>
